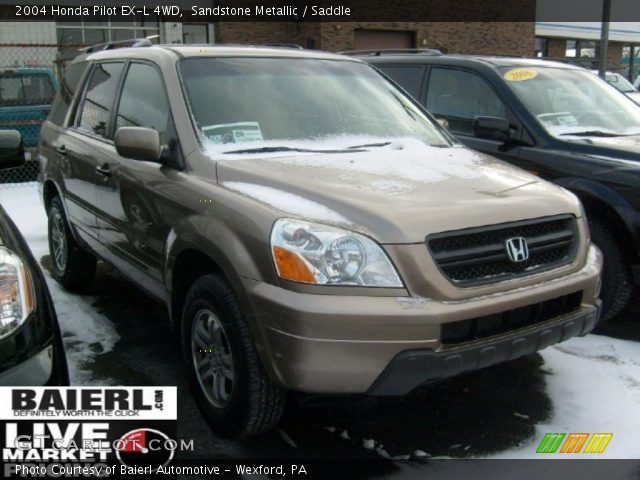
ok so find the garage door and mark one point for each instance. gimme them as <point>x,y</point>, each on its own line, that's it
<point>383,39</point>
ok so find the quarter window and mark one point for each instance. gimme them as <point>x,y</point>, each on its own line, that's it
<point>459,97</point>
<point>98,101</point>
<point>143,102</point>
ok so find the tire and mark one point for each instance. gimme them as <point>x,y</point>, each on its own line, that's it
<point>231,387</point>
<point>617,278</point>
<point>71,266</point>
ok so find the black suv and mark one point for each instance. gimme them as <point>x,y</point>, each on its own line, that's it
<point>555,120</point>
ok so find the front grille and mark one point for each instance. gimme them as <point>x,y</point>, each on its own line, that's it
<point>498,323</point>
<point>478,256</point>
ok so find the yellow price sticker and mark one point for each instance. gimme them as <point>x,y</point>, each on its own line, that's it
<point>520,74</point>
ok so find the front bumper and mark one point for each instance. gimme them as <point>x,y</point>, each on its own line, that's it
<point>342,344</point>
<point>411,369</point>
<point>34,371</point>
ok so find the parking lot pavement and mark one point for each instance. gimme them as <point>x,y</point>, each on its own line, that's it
<point>116,335</point>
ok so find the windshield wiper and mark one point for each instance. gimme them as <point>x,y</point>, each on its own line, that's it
<point>594,133</point>
<point>370,145</point>
<point>283,149</point>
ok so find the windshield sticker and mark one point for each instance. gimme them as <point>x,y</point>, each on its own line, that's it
<point>520,74</point>
<point>233,132</point>
<point>562,119</point>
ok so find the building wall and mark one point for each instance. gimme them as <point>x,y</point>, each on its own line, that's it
<point>506,38</point>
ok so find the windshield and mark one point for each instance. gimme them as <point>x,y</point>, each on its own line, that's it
<point>271,104</point>
<point>620,83</point>
<point>573,102</point>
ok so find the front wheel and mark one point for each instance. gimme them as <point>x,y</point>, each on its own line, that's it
<point>617,278</point>
<point>230,385</point>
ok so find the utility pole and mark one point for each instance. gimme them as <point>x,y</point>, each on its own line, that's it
<point>604,37</point>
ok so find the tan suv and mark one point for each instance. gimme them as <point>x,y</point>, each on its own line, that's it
<point>307,224</point>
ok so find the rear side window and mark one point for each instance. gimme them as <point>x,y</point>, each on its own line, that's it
<point>408,77</point>
<point>143,102</point>
<point>460,96</point>
<point>99,98</point>
<point>25,89</point>
<point>68,88</point>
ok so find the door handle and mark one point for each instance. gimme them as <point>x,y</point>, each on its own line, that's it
<point>61,149</point>
<point>104,170</point>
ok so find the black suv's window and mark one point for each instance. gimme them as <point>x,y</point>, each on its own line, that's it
<point>143,102</point>
<point>98,100</point>
<point>68,89</point>
<point>408,77</point>
<point>459,97</point>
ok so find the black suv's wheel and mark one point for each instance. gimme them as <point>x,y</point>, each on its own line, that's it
<point>70,265</point>
<point>230,385</point>
<point>617,278</point>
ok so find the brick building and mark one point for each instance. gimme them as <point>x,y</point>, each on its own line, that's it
<point>503,38</point>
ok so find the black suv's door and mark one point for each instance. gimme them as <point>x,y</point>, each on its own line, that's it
<point>458,96</point>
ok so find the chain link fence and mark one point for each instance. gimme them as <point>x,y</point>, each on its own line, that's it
<point>29,75</point>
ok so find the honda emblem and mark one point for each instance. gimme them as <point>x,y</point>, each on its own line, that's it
<point>517,249</point>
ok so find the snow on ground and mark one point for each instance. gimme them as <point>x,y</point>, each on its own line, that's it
<point>593,382</point>
<point>595,387</point>
<point>86,333</point>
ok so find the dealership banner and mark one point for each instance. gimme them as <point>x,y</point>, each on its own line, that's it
<point>87,431</point>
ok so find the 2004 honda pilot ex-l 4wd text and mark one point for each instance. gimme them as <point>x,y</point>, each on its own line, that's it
<point>308,225</point>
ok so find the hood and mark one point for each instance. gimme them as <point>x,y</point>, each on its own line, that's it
<point>396,195</point>
<point>610,145</point>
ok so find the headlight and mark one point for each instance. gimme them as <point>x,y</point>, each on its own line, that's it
<point>17,299</point>
<point>320,254</point>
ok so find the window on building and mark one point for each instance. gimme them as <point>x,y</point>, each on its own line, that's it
<point>143,102</point>
<point>571,51</point>
<point>542,47</point>
<point>83,33</point>
<point>460,96</point>
<point>195,33</point>
<point>98,100</point>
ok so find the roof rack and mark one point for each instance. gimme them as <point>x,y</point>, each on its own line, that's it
<point>283,45</point>
<point>134,42</point>
<point>379,52</point>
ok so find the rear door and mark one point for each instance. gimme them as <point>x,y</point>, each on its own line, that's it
<point>87,145</point>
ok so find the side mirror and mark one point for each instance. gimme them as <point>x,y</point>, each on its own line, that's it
<point>11,149</point>
<point>139,143</point>
<point>492,128</point>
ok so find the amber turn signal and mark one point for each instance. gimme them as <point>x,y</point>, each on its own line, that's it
<point>292,266</point>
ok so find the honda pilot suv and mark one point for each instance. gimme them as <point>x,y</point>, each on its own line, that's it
<point>307,224</point>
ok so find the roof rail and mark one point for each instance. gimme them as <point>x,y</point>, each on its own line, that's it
<point>379,52</point>
<point>283,45</point>
<point>134,42</point>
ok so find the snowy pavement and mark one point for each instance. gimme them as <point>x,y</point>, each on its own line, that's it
<point>115,335</point>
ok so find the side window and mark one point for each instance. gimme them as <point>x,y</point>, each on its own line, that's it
<point>68,88</point>
<point>459,97</point>
<point>98,100</point>
<point>143,102</point>
<point>408,77</point>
